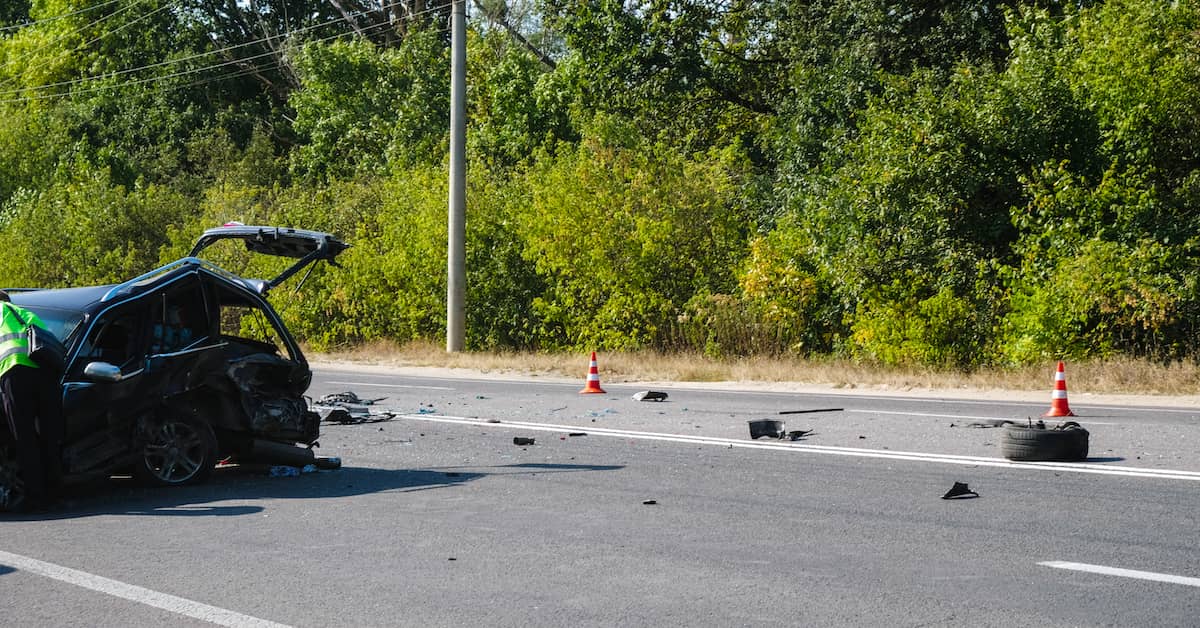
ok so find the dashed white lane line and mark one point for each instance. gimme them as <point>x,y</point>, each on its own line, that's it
<point>134,593</point>
<point>887,454</point>
<point>393,385</point>
<point>1123,573</point>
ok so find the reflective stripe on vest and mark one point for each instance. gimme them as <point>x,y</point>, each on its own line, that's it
<point>14,343</point>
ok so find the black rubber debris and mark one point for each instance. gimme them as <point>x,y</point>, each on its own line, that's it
<point>798,434</point>
<point>522,441</point>
<point>766,427</point>
<point>649,502</point>
<point>577,434</point>
<point>960,490</point>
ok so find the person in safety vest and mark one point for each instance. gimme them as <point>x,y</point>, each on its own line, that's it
<point>32,403</point>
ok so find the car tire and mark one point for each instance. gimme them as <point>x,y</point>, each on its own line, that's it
<point>1064,443</point>
<point>12,486</point>
<point>176,448</point>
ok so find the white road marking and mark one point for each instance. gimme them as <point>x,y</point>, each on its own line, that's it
<point>134,593</point>
<point>392,385</point>
<point>967,416</point>
<point>978,461</point>
<point>1124,573</point>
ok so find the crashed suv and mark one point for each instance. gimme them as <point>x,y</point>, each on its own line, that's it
<point>172,371</point>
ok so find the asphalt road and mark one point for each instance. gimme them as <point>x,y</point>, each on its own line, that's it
<point>438,519</point>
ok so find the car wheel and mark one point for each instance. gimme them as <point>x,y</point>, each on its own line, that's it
<point>12,487</point>
<point>177,448</point>
<point>1064,443</point>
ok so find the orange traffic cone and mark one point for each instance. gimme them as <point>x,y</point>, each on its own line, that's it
<point>1058,399</point>
<point>593,378</point>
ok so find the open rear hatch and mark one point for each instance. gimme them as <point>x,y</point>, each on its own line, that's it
<point>306,246</point>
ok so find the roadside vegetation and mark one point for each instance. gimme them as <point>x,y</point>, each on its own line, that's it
<point>1114,376</point>
<point>840,187</point>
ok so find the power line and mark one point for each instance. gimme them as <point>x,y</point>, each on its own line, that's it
<point>268,38</point>
<point>55,17</point>
<point>167,77</point>
<point>76,31</point>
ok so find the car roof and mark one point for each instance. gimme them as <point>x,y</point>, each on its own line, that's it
<point>61,298</point>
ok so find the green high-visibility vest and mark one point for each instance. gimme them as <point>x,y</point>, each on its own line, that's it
<point>14,336</point>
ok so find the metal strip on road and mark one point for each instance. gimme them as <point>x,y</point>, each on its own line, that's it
<point>1123,573</point>
<point>1068,467</point>
<point>134,593</point>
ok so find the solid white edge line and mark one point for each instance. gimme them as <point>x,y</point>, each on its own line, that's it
<point>1123,573</point>
<point>134,593</point>
<point>1095,469</point>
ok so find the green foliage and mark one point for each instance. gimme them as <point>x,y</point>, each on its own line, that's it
<point>87,231</point>
<point>894,326</point>
<point>947,183</point>
<point>623,236</point>
<point>1106,297</point>
<point>361,108</point>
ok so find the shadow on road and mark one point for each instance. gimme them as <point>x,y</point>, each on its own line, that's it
<point>123,496</point>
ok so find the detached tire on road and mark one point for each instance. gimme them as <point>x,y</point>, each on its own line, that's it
<point>1064,443</point>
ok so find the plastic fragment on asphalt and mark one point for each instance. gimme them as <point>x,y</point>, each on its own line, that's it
<point>650,395</point>
<point>522,441</point>
<point>766,427</point>
<point>798,434</point>
<point>960,490</point>
<point>283,471</point>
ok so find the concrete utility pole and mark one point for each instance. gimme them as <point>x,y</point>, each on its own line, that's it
<point>456,284</point>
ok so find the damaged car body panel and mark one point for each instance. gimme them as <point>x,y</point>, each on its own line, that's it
<point>182,366</point>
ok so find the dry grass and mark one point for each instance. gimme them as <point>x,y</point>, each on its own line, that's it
<point>1120,376</point>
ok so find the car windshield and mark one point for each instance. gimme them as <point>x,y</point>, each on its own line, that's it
<point>60,322</point>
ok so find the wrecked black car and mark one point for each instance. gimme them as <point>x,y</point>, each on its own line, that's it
<point>170,372</point>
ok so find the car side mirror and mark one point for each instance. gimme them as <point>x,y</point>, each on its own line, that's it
<point>102,372</point>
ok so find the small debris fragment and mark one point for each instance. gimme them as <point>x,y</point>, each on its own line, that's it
<point>452,558</point>
<point>283,471</point>
<point>798,434</point>
<point>650,395</point>
<point>649,502</point>
<point>861,437</point>
<point>986,423</point>
<point>960,491</point>
<point>522,441</point>
<point>493,420</point>
<point>810,411</point>
<point>766,427</point>
<point>577,434</point>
